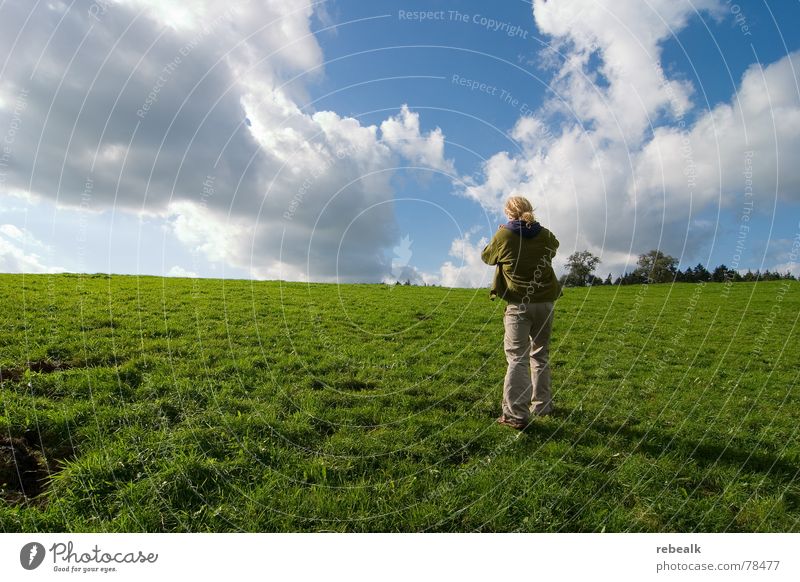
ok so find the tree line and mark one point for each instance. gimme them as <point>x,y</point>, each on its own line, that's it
<point>657,267</point>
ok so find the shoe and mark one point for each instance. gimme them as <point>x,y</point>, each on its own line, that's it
<point>515,424</point>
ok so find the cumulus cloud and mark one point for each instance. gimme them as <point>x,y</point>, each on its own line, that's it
<point>619,98</point>
<point>141,106</point>
<point>792,267</point>
<point>17,234</point>
<point>621,160</point>
<point>783,255</point>
<point>467,270</point>
<point>402,133</point>
<point>178,271</point>
<point>15,256</point>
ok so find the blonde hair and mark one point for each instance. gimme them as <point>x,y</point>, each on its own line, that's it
<point>519,208</point>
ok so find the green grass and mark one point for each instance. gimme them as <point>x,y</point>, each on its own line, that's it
<point>180,405</point>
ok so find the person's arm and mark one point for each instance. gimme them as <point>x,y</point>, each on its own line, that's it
<point>489,254</point>
<point>552,245</point>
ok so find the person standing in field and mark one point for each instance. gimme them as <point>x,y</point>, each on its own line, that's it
<point>523,250</point>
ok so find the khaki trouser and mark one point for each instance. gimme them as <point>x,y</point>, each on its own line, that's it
<point>526,389</point>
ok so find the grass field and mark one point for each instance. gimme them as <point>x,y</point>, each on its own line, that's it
<point>149,404</point>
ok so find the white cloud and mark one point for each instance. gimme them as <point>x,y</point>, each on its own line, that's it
<point>468,270</point>
<point>272,33</point>
<point>619,161</point>
<point>12,231</point>
<point>402,133</point>
<point>14,257</point>
<point>792,267</point>
<point>295,192</point>
<point>279,270</point>
<point>503,175</point>
<point>21,236</point>
<point>326,214</point>
<point>203,231</point>
<point>626,35</point>
<point>402,253</point>
<point>784,255</point>
<point>178,271</point>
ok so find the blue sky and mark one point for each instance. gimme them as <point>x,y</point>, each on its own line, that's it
<point>360,141</point>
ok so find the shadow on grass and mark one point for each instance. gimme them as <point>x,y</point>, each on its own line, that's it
<point>707,454</point>
<point>565,425</point>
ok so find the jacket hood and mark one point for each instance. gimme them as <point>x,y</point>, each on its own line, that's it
<point>521,228</point>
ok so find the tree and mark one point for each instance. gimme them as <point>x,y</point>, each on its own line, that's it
<point>631,278</point>
<point>722,273</point>
<point>701,273</point>
<point>656,267</point>
<point>608,280</point>
<point>581,265</point>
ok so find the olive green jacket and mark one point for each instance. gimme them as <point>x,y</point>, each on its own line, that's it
<point>524,269</point>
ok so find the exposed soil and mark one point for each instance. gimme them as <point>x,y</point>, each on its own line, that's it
<point>41,366</point>
<point>22,470</point>
<point>26,466</point>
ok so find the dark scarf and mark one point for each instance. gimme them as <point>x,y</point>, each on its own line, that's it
<point>521,228</point>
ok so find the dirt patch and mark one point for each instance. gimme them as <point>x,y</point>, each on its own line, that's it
<point>40,366</point>
<point>22,470</point>
<point>26,467</point>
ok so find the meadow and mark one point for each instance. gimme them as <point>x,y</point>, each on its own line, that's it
<point>162,404</point>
